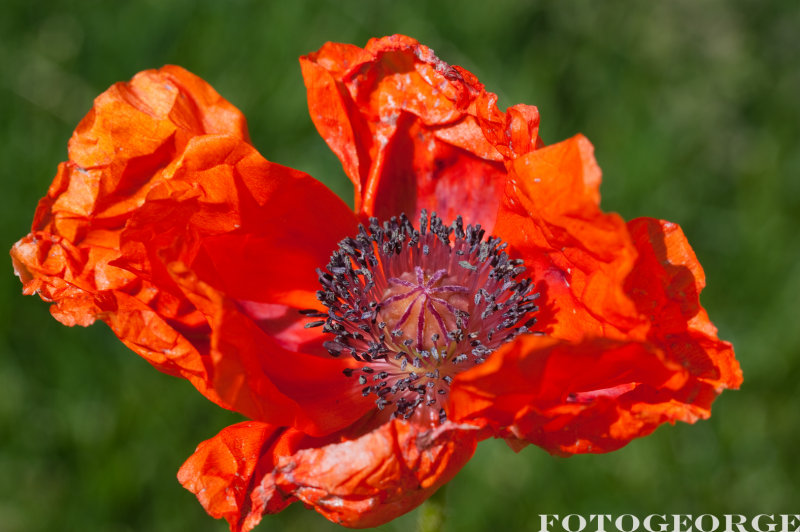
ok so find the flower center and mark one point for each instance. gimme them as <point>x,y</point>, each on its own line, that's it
<point>416,307</point>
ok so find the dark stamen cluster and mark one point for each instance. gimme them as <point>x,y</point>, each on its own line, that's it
<point>416,307</point>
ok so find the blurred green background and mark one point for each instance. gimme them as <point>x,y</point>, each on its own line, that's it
<point>694,111</point>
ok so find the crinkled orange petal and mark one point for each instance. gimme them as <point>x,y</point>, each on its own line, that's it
<point>172,195</point>
<point>665,285</point>
<point>629,345</point>
<point>412,132</point>
<point>236,218</point>
<point>376,477</point>
<point>133,131</point>
<point>577,397</point>
<point>624,295</point>
<point>251,469</point>
<point>578,255</point>
<point>225,472</point>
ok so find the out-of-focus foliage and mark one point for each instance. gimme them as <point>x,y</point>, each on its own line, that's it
<point>694,112</point>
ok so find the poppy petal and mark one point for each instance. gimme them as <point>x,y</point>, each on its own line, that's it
<point>225,470</point>
<point>133,131</point>
<point>412,132</point>
<point>630,347</point>
<point>665,286</point>
<point>591,396</point>
<point>257,375</point>
<point>372,479</point>
<point>578,255</point>
<point>116,153</point>
<point>117,241</point>
<point>231,215</point>
<point>252,468</point>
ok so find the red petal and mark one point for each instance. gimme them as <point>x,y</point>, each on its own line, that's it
<point>117,155</point>
<point>621,309</point>
<point>373,479</point>
<point>174,237</point>
<point>593,396</point>
<point>225,471</point>
<point>665,285</point>
<point>253,373</point>
<point>578,255</point>
<point>131,133</point>
<point>253,229</point>
<point>251,469</point>
<point>412,132</point>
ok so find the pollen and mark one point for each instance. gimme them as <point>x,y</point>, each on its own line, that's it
<point>415,307</point>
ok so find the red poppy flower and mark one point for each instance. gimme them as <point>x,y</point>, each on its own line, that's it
<point>371,358</point>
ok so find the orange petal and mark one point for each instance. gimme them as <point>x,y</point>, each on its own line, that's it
<point>591,396</point>
<point>174,237</point>
<point>372,479</point>
<point>606,286</point>
<point>117,155</point>
<point>132,132</point>
<point>253,229</point>
<point>225,471</point>
<point>665,285</point>
<point>252,468</point>
<point>412,132</point>
<point>578,255</point>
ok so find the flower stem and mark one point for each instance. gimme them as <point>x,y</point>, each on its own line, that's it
<point>431,516</point>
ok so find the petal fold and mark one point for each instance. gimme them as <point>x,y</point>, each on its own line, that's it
<point>225,471</point>
<point>578,255</point>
